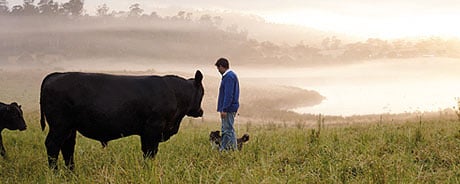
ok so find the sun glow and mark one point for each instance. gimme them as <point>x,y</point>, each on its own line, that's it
<point>381,27</point>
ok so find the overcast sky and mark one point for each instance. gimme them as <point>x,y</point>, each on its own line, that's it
<point>389,18</point>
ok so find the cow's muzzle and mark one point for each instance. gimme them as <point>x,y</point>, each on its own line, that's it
<point>196,114</point>
<point>22,128</point>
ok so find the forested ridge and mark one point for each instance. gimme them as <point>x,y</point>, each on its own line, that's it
<point>46,32</point>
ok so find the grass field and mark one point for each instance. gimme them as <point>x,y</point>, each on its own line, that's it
<point>362,153</point>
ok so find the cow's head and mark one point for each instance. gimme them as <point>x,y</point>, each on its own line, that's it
<point>13,118</point>
<point>195,109</point>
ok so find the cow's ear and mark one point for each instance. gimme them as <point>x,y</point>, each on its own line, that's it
<point>198,78</point>
<point>14,104</point>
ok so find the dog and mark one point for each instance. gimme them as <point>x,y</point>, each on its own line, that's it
<point>215,138</point>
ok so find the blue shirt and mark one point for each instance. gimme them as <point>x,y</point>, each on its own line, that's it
<point>229,93</point>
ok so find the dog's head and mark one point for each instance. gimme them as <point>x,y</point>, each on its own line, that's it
<point>215,136</point>
<point>215,139</point>
<point>245,138</point>
<point>240,141</point>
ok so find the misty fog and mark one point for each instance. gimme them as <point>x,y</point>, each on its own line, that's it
<point>326,73</point>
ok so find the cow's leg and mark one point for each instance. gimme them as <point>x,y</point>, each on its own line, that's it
<point>104,144</point>
<point>2,149</point>
<point>53,142</point>
<point>150,138</point>
<point>68,149</point>
<point>149,146</point>
<point>52,149</point>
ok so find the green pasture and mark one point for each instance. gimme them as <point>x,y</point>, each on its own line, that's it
<point>410,152</point>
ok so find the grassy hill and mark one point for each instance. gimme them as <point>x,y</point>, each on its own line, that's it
<point>371,153</point>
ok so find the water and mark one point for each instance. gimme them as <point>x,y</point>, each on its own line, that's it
<point>382,86</point>
<point>386,87</point>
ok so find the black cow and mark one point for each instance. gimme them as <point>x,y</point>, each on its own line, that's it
<point>106,107</point>
<point>10,118</point>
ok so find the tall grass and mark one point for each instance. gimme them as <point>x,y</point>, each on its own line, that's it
<point>366,153</point>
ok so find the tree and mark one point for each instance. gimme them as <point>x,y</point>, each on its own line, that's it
<point>17,10</point>
<point>64,9</point>
<point>135,10</point>
<point>188,17</point>
<point>325,43</point>
<point>154,15</point>
<point>3,3</point>
<point>379,48</point>
<point>183,15</point>
<point>48,7</point>
<point>335,43</point>
<point>206,19</point>
<point>76,7</point>
<point>4,10</point>
<point>218,20</point>
<point>180,15</point>
<point>43,7</point>
<point>29,8</point>
<point>102,10</point>
<point>73,7</point>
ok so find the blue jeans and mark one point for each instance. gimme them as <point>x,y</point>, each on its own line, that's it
<point>228,132</point>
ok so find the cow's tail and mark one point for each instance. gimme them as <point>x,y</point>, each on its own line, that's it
<point>42,110</point>
<point>42,118</point>
<point>42,98</point>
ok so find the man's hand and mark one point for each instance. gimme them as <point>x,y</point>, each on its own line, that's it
<point>223,115</point>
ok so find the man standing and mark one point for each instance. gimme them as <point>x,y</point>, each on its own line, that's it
<point>227,104</point>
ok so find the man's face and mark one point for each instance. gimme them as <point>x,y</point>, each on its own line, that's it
<point>221,69</point>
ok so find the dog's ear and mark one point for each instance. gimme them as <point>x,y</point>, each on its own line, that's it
<point>245,137</point>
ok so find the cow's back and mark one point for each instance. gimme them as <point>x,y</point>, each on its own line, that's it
<point>92,102</point>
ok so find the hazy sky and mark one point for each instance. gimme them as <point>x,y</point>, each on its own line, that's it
<point>386,19</point>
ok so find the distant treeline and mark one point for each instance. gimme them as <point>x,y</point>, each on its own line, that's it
<point>49,32</point>
<point>43,7</point>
